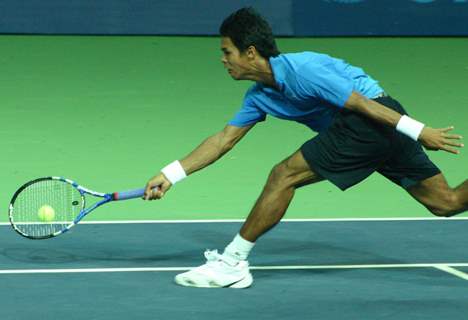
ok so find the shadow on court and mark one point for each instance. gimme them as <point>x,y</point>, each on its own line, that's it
<point>302,270</point>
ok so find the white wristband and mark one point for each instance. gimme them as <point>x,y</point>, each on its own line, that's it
<point>410,127</point>
<point>174,172</point>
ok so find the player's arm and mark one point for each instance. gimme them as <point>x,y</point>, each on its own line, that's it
<point>213,148</point>
<point>210,150</point>
<point>430,138</point>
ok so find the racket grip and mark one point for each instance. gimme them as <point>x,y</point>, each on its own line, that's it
<point>130,194</point>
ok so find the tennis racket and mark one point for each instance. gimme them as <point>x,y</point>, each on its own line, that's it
<point>47,207</point>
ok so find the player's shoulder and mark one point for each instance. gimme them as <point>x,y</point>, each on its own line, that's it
<point>254,90</point>
<point>299,66</point>
<point>299,60</point>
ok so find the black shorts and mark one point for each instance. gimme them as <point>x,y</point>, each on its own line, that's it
<point>354,146</point>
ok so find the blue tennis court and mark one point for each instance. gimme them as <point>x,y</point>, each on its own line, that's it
<point>349,269</point>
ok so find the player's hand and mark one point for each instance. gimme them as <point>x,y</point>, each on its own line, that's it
<point>440,139</point>
<point>157,187</point>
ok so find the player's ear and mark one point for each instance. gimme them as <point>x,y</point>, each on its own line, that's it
<point>251,52</point>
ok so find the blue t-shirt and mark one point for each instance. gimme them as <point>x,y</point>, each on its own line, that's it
<point>312,88</point>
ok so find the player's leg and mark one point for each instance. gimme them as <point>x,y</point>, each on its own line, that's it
<point>342,154</point>
<point>346,153</point>
<point>277,194</point>
<point>231,269</point>
<point>439,198</point>
<point>410,167</point>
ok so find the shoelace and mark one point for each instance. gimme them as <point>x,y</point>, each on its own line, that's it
<point>212,256</point>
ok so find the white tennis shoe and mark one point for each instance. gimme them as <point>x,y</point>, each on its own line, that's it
<point>219,271</point>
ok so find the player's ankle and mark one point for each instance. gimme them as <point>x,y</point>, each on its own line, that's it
<point>239,249</point>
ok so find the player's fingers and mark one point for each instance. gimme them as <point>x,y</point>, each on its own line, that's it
<point>150,188</point>
<point>452,136</point>
<point>454,144</point>
<point>163,188</point>
<point>155,194</point>
<point>447,129</point>
<point>450,150</point>
<point>147,193</point>
<point>150,194</point>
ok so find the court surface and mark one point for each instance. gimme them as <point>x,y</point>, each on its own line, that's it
<point>351,269</point>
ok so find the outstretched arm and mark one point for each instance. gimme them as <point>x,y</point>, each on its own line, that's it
<point>430,138</point>
<point>210,150</point>
<point>213,148</point>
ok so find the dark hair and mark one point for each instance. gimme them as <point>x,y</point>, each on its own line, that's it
<point>246,27</point>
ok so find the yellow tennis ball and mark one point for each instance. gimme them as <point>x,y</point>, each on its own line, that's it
<point>46,213</point>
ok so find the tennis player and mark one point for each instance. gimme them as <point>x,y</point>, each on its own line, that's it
<point>361,130</point>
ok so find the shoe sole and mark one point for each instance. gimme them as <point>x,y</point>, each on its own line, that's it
<point>241,284</point>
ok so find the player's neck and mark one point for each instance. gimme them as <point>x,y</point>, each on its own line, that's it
<point>262,72</point>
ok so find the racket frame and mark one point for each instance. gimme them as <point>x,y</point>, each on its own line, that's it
<point>106,197</point>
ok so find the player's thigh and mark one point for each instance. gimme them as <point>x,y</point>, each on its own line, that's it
<point>294,171</point>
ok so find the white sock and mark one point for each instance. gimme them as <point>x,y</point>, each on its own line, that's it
<point>239,248</point>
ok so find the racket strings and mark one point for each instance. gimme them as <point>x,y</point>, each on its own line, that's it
<point>61,201</point>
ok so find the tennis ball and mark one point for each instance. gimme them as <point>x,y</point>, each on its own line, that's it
<point>46,213</point>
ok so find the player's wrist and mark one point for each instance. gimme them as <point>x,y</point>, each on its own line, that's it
<point>410,127</point>
<point>174,172</point>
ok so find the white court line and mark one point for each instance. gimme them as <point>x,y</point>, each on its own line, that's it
<point>284,220</point>
<point>91,270</point>
<point>292,267</point>
<point>453,271</point>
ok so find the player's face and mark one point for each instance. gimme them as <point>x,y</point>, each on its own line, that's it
<point>236,63</point>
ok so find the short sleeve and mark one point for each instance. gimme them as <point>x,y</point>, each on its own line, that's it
<point>324,82</point>
<point>249,113</point>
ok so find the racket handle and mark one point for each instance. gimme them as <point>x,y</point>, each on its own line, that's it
<point>130,194</point>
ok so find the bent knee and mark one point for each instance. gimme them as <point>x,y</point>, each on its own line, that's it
<point>448,205</point>
<point>279,172</point>
<point>292,172</point>
<point>282,175</point>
